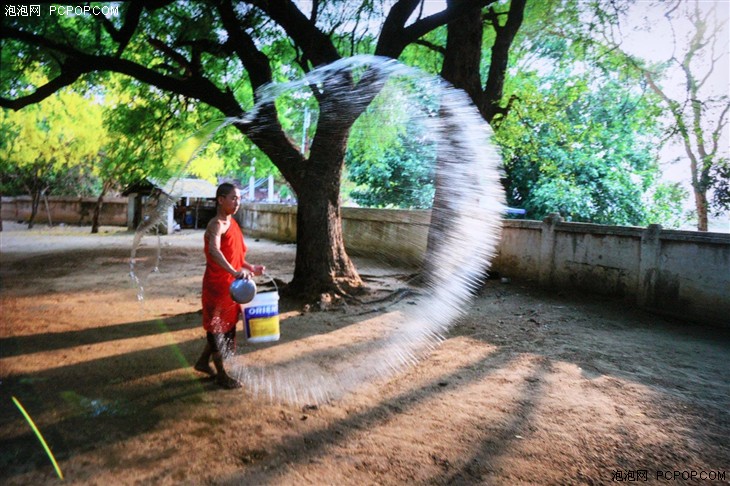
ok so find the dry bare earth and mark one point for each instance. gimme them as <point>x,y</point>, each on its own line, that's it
<point>529,387</point>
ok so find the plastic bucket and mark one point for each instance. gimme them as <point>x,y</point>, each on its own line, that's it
<point>261,317</point>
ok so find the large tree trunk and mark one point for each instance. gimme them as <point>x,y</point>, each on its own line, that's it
<point>463,55</point>
<point>322,265</point>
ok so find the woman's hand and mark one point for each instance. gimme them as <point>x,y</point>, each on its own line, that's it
<point>243,273</point>
<point>250,272</point>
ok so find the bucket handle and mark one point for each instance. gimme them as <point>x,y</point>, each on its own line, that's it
<point>272,281</point>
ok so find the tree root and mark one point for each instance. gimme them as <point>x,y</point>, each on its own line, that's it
<point>340,295</point>
<point>394,297</point>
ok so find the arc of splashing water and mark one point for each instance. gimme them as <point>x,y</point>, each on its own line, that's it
<point>473,165</point>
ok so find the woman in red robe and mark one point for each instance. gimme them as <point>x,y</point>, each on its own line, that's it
<point>225,255</point>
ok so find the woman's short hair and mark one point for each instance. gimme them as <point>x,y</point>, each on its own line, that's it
<point>224,189</point>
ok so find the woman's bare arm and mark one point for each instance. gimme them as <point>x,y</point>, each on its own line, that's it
<point>213,233</point>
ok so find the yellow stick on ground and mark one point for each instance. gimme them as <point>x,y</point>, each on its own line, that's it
<point>40,437</point>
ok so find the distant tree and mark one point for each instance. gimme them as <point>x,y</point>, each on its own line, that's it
<point>721,176</point>
<point>584,145</point>
<point>150,136</point>
<point>664,205</point>
<point>700,116</point>
<point>682,82</point>
<point>391,153</point>
<point>42,144</point>
<point>579,130</point>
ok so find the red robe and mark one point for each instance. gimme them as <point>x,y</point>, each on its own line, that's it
<point>220,312</point>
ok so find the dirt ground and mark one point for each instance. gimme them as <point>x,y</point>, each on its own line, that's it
<point>529,386</point>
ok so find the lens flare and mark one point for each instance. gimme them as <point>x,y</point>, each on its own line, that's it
<point>39,435</point>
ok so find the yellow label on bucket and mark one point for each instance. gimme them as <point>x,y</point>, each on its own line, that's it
<point>264,326</point>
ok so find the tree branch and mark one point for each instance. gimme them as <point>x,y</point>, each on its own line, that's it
<point>317,47</point>
<point>274,139</point>
<point>395,36</point>
<point>492,17</point>
<point>393,26</point>
<point>494,86</point>
<point>315,11</point>
<point>174,55</point>
<point>78,62</point>
<point>717,133</point>
<point>254,61</point>
<point>123,35</point>
<point>439,49</point>
<point>68,76</point>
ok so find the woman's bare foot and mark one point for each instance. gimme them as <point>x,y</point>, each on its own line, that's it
<point>227,382</point>
<point>204,367</point>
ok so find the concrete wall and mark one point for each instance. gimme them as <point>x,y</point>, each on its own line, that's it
<point>679,273</point>
<point>274,221</point>
<point>389,234</point>
<point>685,274</point>
<point>69,210</point>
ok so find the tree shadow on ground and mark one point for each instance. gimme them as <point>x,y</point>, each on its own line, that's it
<point>119,395</point>
<point>36,343</point>
<point>265,467</point>
<point>80,408</point>
<point>672,374</point>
